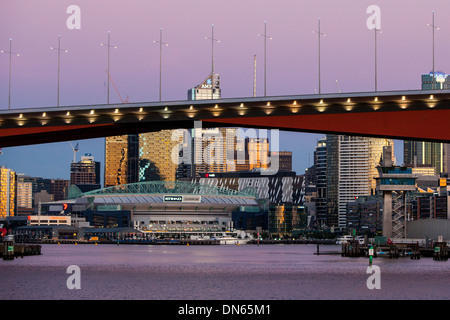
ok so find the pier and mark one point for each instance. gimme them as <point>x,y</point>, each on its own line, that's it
<point>10,250</point>
<point>436,250</point>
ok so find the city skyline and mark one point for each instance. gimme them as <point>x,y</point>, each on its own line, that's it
<point>216,212</point>
<point>291,58</point>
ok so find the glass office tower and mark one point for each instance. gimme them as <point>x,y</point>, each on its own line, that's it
<point>351,168</point>
<point>7,192</point>
<point>432,154</point>
<point>121,160</point>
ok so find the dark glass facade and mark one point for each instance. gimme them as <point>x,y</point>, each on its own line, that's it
<point>365,215</point>
<point>320,165</point>
<point>283,219</point>
<point>332,179</point>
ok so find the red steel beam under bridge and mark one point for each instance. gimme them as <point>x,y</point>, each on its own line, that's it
<point>407,115</point>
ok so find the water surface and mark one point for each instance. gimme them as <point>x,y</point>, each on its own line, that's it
<point>224,272</point>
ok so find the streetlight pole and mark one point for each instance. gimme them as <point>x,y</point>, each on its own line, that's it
<point>265,54</point>
<point>59,57</point>
<point>213,77</point>
<point>319,34</point>
<point>10,63</point>
<point>109,46</point>
<point>161,43</point>
<point>376,68</point>
<point>433,27</point>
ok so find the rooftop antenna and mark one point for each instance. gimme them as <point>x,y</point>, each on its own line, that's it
<point>339,88</point>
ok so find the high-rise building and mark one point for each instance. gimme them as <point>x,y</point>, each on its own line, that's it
<point>121,160</point>
<point>59,188</point>
<point>185,154</point>
<point>424,153</point>
<point>351,169</point>
<point>56,187</point>
<point>214,150</point>
<point>285,160</point>
<point>159,155</point>
<point>179,154</point>
<point>211,146</point>
<point>258,155</point>
<point>320,166</point>
<point>24,192</point>
<point>208,89</point>
<point>434,154</point>
<point>7,192</point>
<point>225,150</point>
<point>442,81</point>
<point>24,195</point>
<point>85,174</point>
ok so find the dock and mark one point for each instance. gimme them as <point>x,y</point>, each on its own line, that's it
<point>438,250</point>
<point>10,250</point>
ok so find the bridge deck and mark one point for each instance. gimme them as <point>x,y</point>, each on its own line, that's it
<point>393,114</point>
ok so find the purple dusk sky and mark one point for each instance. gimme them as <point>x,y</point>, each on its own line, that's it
<point>347,51</point>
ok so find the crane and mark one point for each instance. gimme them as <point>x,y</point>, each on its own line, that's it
<point>109,76</point>
<point>75,150</point>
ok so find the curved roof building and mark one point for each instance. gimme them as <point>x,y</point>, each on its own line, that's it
<point>163,205</point>
<point>169,193</point>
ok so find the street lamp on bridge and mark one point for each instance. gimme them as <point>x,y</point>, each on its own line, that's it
<point>212,59</point>
<point>376,31</point>
<point>109,46</point>
<point>10,56</point>
<point>433,27</point>
<point>319,34</point>
<point>161,43</point>
<point>265,51</point>
<point>59,57</point>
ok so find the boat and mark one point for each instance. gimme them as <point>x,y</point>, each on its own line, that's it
<point>231,240</point>
<point>347,238</point>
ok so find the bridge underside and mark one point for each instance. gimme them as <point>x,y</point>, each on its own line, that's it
<point>429,125</point>
<point>36,135</point>
<point>406,115</point>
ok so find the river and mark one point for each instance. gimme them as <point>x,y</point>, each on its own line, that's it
<point>217,272</point>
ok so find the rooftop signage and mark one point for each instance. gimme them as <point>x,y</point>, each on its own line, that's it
<point>183,198</point>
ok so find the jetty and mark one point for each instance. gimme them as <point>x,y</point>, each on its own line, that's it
<point>436,250</point>
<point>10,250</point>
